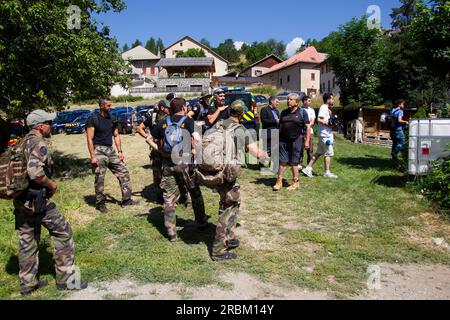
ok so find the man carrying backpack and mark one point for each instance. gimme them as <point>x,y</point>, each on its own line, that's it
<point>167,137</point>
<point>397,125</point>
<point>33,208</point>
<point>227,139</point>
<point>294,126</point>
<point>100,130</point>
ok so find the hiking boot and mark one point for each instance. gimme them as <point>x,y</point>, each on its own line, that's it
<point>233,244</point>
<point>308,172</point>
<point>279,185</point>
<point>173,238</point>
<point>330,175</point>
<point>294,185</point>
<point>129,203</point>
<point>225,256</point>
<point>63,287</point>
<point>102,208</point>
<point>28,291</point>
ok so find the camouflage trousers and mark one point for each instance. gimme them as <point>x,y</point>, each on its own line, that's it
<point>29,226</point>
<point>157,160</point>
<point>171,177</point>
<point>108,159</point>
<point>230,201</point>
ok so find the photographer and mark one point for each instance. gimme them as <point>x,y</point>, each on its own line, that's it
<point>326,139</point>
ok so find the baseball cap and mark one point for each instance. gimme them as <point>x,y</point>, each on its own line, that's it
<point>238,107</point>
<point>171,96</point>
<point>163,104</point>
<point>39,116</point>
<point>219,91</point>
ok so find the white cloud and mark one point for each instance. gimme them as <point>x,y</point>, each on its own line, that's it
<point>292,46</point>
<point>238,45</point>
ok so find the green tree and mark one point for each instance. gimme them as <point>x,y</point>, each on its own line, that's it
<point>403,16</point>
<point>191,53</point>
<point>228,51</point>
<point>159,45</point>
<point>417,57</point>
<point>151,45</point>
<point>44,62</point>
<point>136,43</point>
<point>205,42</point>
<point>308,43</point>
<point>357,58</point>
<point>125,48</point>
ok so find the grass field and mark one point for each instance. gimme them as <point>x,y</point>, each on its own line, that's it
<point>322,237</point>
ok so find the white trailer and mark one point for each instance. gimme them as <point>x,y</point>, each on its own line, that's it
<point>428,141</point>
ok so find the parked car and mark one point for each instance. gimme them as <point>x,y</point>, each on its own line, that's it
<point>119,110</point>
<point>66,117</point>
<point>78,125</point>
<point>144,107</point>
<point>233,94</point>
<point>282,96</point>
<point>261,101</point>
<point>124,123</point>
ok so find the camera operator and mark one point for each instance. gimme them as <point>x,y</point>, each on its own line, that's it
<point>326,139</point>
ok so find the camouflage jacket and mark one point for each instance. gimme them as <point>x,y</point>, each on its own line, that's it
<point>39,160</point>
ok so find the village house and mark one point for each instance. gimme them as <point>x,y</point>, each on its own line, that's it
<point>186,43</point>
<point>328,82</point>
<point>261,66</point>
<point>143,63</point>
<point>301,72</point>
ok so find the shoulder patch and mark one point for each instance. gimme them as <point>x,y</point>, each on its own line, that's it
<point>164,125</point>
<point>43,150</point>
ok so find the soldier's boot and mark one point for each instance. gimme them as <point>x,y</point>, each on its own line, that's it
<point>294,185</point>
<point>28,291</point>
<point>279,185</point>
<point>225,256</point>
<point>129,203</point>
<point>63,287</point>
<point>233,244</point>
<point>101,207</point>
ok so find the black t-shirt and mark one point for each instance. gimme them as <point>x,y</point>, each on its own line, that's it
<point>158,131</point>
<point>225,114</point>
<point>292,125</point>
<point>104,128</point>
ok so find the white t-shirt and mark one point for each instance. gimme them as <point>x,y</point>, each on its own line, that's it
<point>325,131</point>
<point>311,116</point>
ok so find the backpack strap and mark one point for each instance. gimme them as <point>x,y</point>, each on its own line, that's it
<point>168,121</point>
<point>180,123</point>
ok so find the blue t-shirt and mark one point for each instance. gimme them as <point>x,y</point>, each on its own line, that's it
<point>396,114</point>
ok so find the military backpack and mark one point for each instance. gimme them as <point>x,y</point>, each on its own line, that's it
<point>220,161</point>
<point>13,171</point>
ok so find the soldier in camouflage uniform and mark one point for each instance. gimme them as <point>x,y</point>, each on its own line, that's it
<point>174,175</point>
<point>100,129</point>
<point>155,156</point>
<point>230,196</point>
<point>33,210</point>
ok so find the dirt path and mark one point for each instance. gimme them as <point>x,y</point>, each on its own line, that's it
<point>397,282</point>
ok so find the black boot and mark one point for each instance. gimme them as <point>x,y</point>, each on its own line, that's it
<point>101,207</point>
<point>225,256</point>
<point>233,244</point>
<point>28,291</point>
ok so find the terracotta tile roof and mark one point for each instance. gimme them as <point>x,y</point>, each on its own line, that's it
<point>310,55</point>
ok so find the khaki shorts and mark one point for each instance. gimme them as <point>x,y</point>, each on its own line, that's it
<point>324,149</point>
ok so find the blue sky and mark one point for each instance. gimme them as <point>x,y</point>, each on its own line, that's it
<point>244,20</point>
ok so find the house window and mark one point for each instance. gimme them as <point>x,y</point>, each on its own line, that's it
<point>289,79</point>
<point>313,77</point>
<point>181,44</point>
<point>329,85</point>
<point>172,86</point>
<point>281,81</point>
<point>334,82</point>
<point>152,71</point>
<point>258,73</point>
